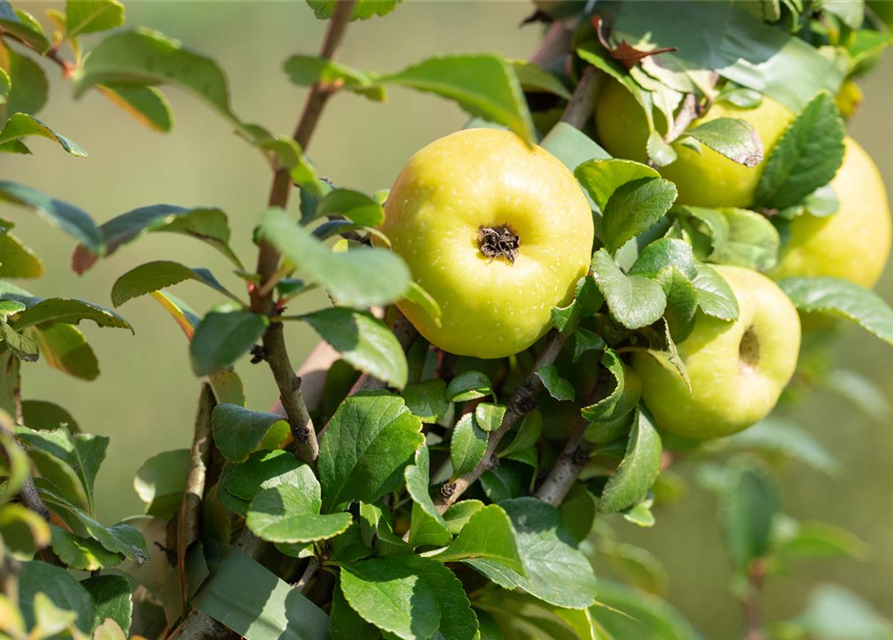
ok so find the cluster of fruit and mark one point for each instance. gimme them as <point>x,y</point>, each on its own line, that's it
<point>461,194</point>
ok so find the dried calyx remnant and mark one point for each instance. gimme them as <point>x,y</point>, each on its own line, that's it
<point>749,350</point>
<point>499,242</point>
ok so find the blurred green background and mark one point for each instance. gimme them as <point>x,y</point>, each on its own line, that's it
<point>145,396</point>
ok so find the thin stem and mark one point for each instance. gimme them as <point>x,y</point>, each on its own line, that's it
<point>68,69</point>
<point>268,258</point>
<point>406,335</point>
<point>310,570</point>
<point>573,458</point>
<point>555,43</point>
<point>522,402</point>
<point>579,108</point>
<point>753,626</point>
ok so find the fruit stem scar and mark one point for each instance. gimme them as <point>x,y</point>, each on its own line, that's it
<point>749,350</point>
<point>500,241</point>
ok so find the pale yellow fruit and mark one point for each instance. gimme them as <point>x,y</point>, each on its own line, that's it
<point>737,369</point>
<point>434,214</point>
<point>854,243</point>
<point>705,179</point>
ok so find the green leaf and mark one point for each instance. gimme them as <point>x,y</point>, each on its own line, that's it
<point>160,274</point>
<point>111,597</point>
<point>346,624</point>
<point>753,241</point>
<point>504,482</point>
<point>147,104</point>
<point>624,612</point>
<point>488,534</point>
<point>844,299</point>
<point>410,597</point>
<point>715,296</point>
<point>50,620</point>
<point>363,452</point>
<point>558,387</point>
<point>484,85</point>
<point>365,342</point>
<point>638,567</point>
<point>662,253</point>
<point>418,479</point>
<point>65,348</point>
<point>353,205</point>
<point>223,337</point>
<point>360,278</point>
<point>82,452</point>
<point>68,311</point>
<point>262,470</point>
<point>634,301</point>
<point>63,590</point>
<point>22,346</point>
<point>557,571</point>
<point>29,90</point>
<point>571,146</point>
<point>239,431</point>
<point>22,125</point>
<point>812,541</point>
<point>469,385</point>
<point>83,554</point>
<point>121,538</point>
<point>836,613</point>
<point>489,416</point>
<point>734,138</point>
<point>587,301</point>
<point>290,513</point>
<point>427,400</point>
<point>66,217</point>
<point>22,24</point>
<point>267,608</point>
<point>682,303</point>
<point>425,300</point>
<point>726,37</point>
<point>42,415</point>
<point>750,502</point>
<point>637,471</point>
<point>806,157</point>
<point>527,434</point>
<point>362,10</point>
<point>578,510</point>
<point>308,70</point>
<point>534,78</point>
<point>458,515</point>
<point>780,436</point>
<point>146,57</point>
<point>631,196</point>
<point>467,445</point>
<point>17,260</point>
<point>161,480</point>
<point>601,177</point>
<point>90,16</point>
<point>623,398</point>
<point>206,224</point>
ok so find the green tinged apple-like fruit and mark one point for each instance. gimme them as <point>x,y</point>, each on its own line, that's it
<point>737,369</point>
<point>854,243</point>
<point>498,232</point>
<point>705,179</point>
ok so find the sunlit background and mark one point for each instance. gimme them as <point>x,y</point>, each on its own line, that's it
<point>146,393</point>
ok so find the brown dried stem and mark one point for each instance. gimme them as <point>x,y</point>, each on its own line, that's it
<point>522,402</point>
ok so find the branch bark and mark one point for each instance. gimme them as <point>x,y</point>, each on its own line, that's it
<point>579,108</point>
<point>573,458</point>
<point>198,624</point>
<point>522,402</point>
<point>268,258</point>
